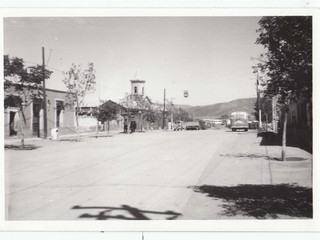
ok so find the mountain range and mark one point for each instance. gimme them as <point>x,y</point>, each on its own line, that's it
<point>219,109</point>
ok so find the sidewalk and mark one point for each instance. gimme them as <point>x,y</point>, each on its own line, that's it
<point>249,181</point>
<point>17,140</point>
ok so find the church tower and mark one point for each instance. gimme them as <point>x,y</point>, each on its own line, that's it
<point>137,85</point>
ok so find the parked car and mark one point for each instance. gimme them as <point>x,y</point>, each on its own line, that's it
<point>178,126</point>
<point>253,124</point>
<point>192,126</point>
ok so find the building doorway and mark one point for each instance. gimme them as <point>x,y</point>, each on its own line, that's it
<point>36,107</point>
<point>59,113</point>
<point>12,131</point>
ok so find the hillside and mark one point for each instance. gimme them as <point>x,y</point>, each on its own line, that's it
<point>219,109</point>
<point>183,106</point>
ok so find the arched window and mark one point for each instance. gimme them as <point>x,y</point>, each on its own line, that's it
<point>135,90</point>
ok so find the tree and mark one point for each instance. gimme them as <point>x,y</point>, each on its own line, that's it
<point>21,86</point>
<point>107,112</point>
<point>79,82</point>
<point>180,114</point>
<point>288,64</point>
<point>266,109</point>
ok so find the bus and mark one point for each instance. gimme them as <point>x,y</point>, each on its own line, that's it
<point>239,120</point>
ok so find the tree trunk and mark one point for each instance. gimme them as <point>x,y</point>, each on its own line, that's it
<point>108,127</point>
<point>77,126</point>
<point>21,129</point>
<point>77,121</point>
<point>97,132</point>
<point>141,122</point>
<point>284,135</point>
<point>129,123</point>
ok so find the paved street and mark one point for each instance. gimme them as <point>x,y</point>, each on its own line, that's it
<point>209,174</point>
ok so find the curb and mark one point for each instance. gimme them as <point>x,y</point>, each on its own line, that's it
<point>81,135</point>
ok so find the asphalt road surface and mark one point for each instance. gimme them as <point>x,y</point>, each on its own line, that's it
<point>153,175</point>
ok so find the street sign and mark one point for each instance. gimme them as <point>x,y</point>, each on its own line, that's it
<point>185,93</point>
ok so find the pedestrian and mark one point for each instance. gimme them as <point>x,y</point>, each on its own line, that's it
<point>131,126</point>
<point>134,126</point>
<point>125,126</point>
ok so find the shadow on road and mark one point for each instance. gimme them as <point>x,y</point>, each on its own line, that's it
<point>295,138</point>
<point>69,140</point>
<point>240,155</point>
<point>241,131</point>
<point>19,147</point>
<point>262,201</point>
<point>101,136</point>
<point>106,213</point>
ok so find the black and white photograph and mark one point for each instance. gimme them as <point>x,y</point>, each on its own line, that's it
<point>144,117</point>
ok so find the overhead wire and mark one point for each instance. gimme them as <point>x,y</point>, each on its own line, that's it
<point>49,57</point>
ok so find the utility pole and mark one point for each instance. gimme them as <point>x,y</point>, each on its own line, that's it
<point>45,122</point>
<point>258,98</point>
<point>164,108</point>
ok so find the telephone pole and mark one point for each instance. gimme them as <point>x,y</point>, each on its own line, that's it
<point>164,108</point>
<point>258,98</point>
<point>171,116</point>
<point>45,126</point>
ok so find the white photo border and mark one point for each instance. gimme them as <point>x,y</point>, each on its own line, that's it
<point>178,225</point>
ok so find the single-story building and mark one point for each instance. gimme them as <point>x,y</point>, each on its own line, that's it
<point>57,117</point>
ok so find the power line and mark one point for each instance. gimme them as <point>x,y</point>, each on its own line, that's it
<point>49,56</point>
<point>54,69</point>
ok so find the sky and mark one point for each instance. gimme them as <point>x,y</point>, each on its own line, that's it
<point>210,57</point>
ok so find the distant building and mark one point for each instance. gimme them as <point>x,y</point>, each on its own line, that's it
<point>88,121</point>
<point>213,121</point>
<point>137,85</point>
<point>140,110</point>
